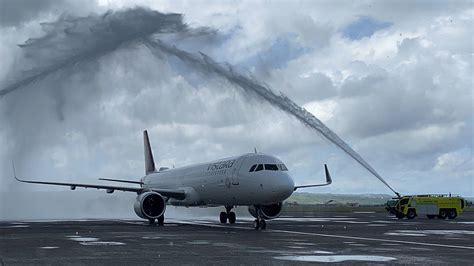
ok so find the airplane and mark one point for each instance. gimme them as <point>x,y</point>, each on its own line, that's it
<point>256,180</point>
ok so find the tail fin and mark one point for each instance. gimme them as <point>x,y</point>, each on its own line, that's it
<point>149,162</point>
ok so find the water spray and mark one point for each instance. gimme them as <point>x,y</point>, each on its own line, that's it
<point>72,42</point>
<point>206,64</point>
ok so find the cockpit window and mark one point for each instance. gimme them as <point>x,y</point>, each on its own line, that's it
<point>252,168</point>
<point>271,167</point>
<point>259,168</point>
<point>283,167</point>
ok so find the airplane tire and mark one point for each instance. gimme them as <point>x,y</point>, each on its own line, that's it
<point>411,214</point>
<point>223,217</point>
<point>232,217</point>
<point>452,214</point>
<point>442,214</point>
<point>263,225</point>
<point>256,224</point>
<point>161,220</point>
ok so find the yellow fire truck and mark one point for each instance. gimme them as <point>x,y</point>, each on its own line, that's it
<point>441,206</point>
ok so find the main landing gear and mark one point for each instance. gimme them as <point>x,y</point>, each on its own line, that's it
<point>161,220</point>
<point>227,215</point>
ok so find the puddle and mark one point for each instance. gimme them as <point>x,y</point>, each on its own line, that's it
<point>429,232</point>
<point>295,247</point>
<point>382,221</point>
<point>152,237</point>
<point>358,245</point>
<point>403,234</point>
<point>303,244</point>
<point>102,243</point>
<point>319,219</point>
<point>322,252</point>
<point>199,242</point>
<point>336,258</point>
<point>18,226</point>
<point>84,239</point>
<point>227,245</point>
<point>48,247</point>
<point>422,249</point>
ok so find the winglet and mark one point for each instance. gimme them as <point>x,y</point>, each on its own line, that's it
<point>149,161</point>
<point>328,180</point>
<point>14,172</point>
<point>328,175</point>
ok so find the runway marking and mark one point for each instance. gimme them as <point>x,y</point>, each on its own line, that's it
<point>336,258</point>
<point>334,236</point>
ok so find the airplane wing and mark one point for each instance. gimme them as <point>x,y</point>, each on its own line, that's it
<point>328,180</point>
<point>171,193</point>
<point>123,181</point>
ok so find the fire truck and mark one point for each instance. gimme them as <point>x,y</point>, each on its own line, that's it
<point>440,206</point>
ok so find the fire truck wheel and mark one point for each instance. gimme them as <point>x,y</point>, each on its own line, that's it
<point>442,214</point>
<point>411,214</point>
<point>452,214</point>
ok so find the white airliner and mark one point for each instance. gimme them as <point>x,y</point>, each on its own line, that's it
<point>256,180</point>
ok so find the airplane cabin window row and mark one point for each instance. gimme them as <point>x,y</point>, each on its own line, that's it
<point>269,167</point>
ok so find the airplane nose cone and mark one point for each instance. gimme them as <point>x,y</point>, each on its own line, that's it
<point>285,186</point>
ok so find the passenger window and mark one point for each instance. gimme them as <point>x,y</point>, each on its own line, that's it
<point>252,168</point>
<point>259,168</point>
<point>271,167</point>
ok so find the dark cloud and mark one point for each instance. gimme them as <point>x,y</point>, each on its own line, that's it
<point>15,12</point>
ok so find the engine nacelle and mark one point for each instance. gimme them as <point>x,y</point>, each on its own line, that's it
<point>267,212</point>
<point>149,205</point>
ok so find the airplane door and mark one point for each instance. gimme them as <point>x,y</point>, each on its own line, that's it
<point>235,172</point>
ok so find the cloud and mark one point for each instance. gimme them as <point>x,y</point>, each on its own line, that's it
<point>402,96</point>
<point>13,13</point>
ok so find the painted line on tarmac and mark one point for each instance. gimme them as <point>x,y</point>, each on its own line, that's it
<point>332,236</point>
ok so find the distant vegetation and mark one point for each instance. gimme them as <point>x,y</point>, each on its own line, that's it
<point>299,198</point>
<point>338,199</point>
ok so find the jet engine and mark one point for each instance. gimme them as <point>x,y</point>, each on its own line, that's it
<point>267,212</point>
<point>149,205</point>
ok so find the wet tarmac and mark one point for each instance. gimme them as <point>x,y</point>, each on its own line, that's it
<point>334,237</point>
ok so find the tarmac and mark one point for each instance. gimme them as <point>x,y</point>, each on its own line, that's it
<point>351,237</point>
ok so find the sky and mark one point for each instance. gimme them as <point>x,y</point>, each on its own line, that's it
<point>391,78</point>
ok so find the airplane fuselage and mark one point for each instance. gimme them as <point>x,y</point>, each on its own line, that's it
<point>228,181</point>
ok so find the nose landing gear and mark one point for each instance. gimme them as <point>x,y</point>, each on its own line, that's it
<point>227,215</point>
<point>259,223</point>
